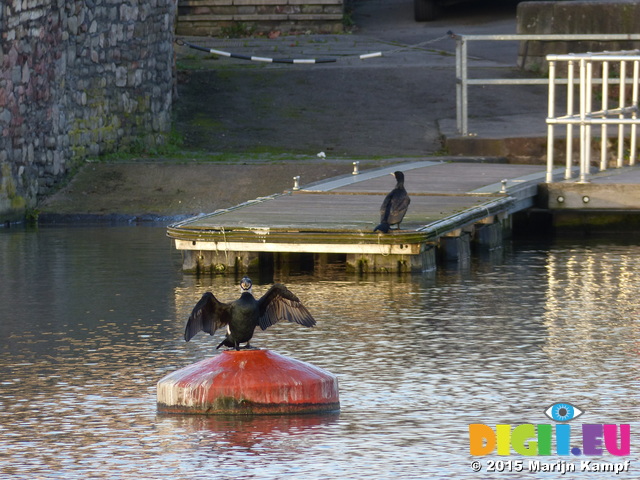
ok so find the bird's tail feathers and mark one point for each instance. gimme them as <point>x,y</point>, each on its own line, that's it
<point>383,227</point>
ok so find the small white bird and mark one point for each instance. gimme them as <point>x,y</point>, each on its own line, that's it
<point>321,155</point>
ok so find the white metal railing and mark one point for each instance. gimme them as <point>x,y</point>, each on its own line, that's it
<point>462,66</point>
<point>587,114</point>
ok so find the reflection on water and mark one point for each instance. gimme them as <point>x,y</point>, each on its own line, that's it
<point>593,313</point>
<point>91,318</point>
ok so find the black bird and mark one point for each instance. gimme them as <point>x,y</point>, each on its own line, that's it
<point>394,206</point>
<point>243,315</point>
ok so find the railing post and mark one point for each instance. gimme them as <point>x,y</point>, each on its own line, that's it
<point>605,107</point>
<point>465,89</point>
<point>583,124</point>
<point>570,101</point>
<point>461,85</point>
<point>458,85</point>
<point>588,117</point>
<point>621,100</point>
<point>550,116</point>
<point>634,102</point>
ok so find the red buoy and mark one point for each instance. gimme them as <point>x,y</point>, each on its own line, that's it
<point>248,382</point>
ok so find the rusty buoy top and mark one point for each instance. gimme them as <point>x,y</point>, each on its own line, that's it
<point>248,382</point>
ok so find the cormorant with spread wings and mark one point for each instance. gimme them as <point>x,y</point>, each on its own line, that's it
<point>245,314</point>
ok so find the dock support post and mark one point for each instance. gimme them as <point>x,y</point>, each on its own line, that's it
<point>285,262</point>
<point>370,263</point>
<point>489,236</point>
<point>214,261</point>
<point>425,261</point>
<point>490,233</point>
<point>325,262</point>
<point>455,247</point>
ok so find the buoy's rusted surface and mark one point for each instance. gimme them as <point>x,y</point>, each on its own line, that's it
<point>248,382</point>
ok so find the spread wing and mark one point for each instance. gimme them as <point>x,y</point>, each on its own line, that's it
<point>208,315</point>
<point>280,304</point>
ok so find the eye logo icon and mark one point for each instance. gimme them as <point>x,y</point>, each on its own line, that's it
<point>563,412</point>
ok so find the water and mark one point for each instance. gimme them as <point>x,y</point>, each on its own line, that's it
<point>92,317</point>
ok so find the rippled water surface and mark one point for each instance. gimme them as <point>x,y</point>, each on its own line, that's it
<point>91,318</point>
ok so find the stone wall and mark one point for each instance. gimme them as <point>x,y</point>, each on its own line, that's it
<point>78,78</point>
<point>238,17</point>
<point>570,17</point>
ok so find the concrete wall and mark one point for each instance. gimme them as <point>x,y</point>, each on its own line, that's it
<point>78,78</point>
<point>565,17</point>
<point>237,17</point>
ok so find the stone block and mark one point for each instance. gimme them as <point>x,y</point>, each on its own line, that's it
<point>261,18</point>
<point>248,10</point>
<point>311,9</point>
<point>258,2</point>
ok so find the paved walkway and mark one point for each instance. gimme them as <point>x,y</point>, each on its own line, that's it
<point>398,103</point>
